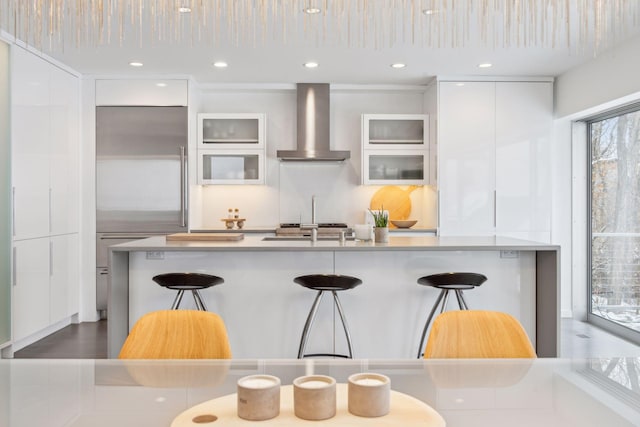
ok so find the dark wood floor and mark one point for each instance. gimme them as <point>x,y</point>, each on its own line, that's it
<point>89,341</point>
<point>77,341</point>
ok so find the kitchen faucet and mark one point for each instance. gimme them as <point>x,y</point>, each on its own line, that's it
<point>313,224</point>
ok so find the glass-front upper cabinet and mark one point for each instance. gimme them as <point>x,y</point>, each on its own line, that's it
<point>395,149</point>
<point>231,167</point>
<point>231,148</point>
<point>394,131</point>
<point>231,131</point>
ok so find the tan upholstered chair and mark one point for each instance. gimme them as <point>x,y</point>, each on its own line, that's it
<point>468,334</point>
<point>177,334</point>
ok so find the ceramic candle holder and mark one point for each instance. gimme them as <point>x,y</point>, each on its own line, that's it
<point>258,397</point>
<point>314,397</point>
<point>369,394</point>
<point>363,232</point>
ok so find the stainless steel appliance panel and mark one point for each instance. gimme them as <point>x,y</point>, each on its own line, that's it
<point>141,169</point>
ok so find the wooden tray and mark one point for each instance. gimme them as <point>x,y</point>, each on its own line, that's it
<point>406,411</point>
<point>219,237</point>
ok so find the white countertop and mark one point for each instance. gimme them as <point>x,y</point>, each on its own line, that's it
<point>396,243</point>
<point>498,393</point>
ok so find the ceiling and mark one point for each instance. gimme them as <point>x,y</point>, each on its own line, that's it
<point>268,57</point>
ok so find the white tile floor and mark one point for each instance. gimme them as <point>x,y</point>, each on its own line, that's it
<point>583,340</point>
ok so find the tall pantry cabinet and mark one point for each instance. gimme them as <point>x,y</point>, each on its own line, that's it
<point>45,193</point>
<point>493,158</point>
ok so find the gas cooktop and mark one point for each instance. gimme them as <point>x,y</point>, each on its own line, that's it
<point>320,225</point>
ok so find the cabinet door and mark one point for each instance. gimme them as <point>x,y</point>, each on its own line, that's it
<point>466,158</point>
<point>395,131</point>
<point>231,166</point>
<point>31,272</point>
<point>64,162</point>
<point>231,131</point>
<point>523,132</point>
<point>65,276</point>
<point>399,167</point>
<point>30,144</point>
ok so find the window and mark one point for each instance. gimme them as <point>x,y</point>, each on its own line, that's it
<point>615,222</point>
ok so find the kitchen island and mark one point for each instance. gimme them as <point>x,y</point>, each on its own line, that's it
<point>265,311</point>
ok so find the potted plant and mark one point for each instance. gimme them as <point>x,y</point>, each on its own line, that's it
<point>381,225</point>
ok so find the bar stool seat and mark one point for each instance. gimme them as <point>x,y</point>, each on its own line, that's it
<point>326,283</point>
<point>456,282</point>
<point>182,282</point>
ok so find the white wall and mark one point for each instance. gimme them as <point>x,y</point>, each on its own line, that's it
<point>286,197</point>
<point>610,76</point>
<point>606,82</point>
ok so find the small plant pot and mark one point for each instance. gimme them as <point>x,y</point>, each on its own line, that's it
<point>381,234</point>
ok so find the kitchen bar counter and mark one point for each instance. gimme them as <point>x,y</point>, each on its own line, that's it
<point>396,243</point>
<point>265,311</point>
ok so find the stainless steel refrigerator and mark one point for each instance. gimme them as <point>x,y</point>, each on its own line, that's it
<point>141,178</point>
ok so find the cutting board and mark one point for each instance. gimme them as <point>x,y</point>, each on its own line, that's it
<point>393,199</point>
<point>209,237</point>
<point>406,411</point>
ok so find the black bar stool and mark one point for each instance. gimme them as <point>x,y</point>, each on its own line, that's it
<point>446,282</point>
<point>187,282</point>
<point>325,283</point>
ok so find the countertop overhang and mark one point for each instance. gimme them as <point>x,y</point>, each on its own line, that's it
<point>396,243</point>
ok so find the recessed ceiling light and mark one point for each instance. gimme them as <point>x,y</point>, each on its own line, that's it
<point>485,65</point>
<point>184,9</point>
<point>398,65</point>
<point>430,11</point>
<point>311,64</point>
<point>459,84</point>
<point>136,64</point>
<point>220,64</point>
<point>161,84</point>
<point>311,10</point>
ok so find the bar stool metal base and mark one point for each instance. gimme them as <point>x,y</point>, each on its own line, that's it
<point>326,283</point>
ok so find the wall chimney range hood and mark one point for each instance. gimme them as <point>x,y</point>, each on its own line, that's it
<point>313,126</point>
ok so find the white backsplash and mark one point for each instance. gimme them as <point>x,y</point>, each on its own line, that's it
<point>286,197</point>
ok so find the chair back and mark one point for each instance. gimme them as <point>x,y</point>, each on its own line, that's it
<point>177,334</point>
<point>471,334</point>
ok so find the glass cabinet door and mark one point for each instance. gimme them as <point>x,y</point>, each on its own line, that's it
<point>222,131</point>
<point>226,167</point>
<point>384,131</point>
<point>385,167</point>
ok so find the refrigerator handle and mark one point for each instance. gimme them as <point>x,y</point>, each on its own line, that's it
<point>183,189</point>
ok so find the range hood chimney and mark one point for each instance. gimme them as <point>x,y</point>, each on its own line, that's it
<point>313,126</point>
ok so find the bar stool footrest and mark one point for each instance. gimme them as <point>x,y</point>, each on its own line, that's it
<point>342,356</point>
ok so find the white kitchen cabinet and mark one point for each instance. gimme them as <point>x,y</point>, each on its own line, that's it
<point>466,158</point>
<point>136,92</point>
<point>45,184</point>
<point>405,167</point>
<point>65,277</point>
<point>231,166</point>
<point>231,148</point>
<point>493,154</point>
<point>30,130</point>
<point>523,136</point>
<point>231,131</point>
<point>395,149</point>
<point>45,143</point>
<point>64,152</point>
<point>46,277</point>
<point>30,303</point>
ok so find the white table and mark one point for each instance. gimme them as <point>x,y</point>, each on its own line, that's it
<point>543,392</point>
